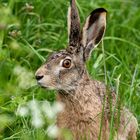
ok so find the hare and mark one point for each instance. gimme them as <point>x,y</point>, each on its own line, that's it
<point>88,103</point>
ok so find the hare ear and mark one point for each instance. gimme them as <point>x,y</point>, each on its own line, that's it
<point>73,24</point>
<point>93,30</point>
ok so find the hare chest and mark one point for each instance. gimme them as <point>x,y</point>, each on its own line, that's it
<point>82,118</point>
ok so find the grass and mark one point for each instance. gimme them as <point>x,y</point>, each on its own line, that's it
<point>30,30</point>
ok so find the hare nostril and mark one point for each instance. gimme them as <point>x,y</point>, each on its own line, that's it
<point>39,77</point>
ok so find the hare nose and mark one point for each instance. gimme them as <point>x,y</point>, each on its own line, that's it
<point>39,77</point>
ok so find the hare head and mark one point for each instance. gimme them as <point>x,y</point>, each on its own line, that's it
<point>65,68</point>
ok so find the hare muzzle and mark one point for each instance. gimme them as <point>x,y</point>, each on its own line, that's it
<point>39,74</point>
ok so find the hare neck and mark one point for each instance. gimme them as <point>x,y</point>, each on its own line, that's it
<point>77,98</point>
<point>82,104</point>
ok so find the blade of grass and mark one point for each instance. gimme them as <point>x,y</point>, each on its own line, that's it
<point>102,116</point>
<point>115,108</point>
<point>122,40</point>
<point>33,50</point>
<point>132,84</point>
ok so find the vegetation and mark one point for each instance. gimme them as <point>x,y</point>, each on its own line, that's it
<point>30,30</point>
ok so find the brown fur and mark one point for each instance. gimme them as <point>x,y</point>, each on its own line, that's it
<point>89,104</point>
<point>83,112</point>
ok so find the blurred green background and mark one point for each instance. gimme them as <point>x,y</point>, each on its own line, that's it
<point>31,29</point>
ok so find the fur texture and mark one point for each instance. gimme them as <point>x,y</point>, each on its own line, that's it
<point>88,103</point>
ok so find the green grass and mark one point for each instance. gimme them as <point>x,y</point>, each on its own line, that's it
<point>29,33</point>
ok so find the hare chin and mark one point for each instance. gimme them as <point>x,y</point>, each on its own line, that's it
<point>42,85</point>
<point>45,86</point>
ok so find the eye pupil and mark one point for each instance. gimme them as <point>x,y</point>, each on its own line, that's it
<point>67,63</point>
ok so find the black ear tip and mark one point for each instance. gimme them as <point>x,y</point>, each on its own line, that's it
<point>99,10</point>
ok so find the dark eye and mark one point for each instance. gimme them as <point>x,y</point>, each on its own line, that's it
<point>66,63</point>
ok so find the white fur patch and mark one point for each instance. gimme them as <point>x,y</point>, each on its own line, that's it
<point>61,62</point>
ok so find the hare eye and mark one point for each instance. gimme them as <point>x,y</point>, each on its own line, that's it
<point>66,63</point>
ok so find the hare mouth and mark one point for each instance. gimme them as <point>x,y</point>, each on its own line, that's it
<point>42,85</point>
